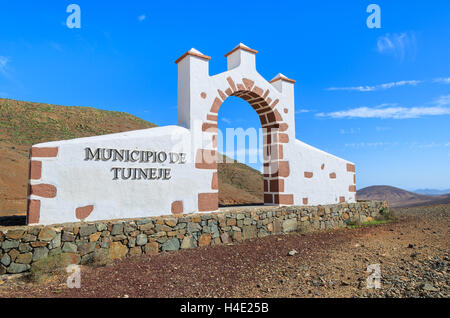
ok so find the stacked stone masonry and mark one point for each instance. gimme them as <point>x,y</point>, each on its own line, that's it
<point>80,243</point>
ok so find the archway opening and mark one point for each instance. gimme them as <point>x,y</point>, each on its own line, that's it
<point>274,138</point>
<point>240,154</point>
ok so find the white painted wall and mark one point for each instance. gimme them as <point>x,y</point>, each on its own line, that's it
<point>81,183</point>
<point>319,189</point>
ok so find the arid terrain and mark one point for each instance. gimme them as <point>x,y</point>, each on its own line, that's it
<point>412,253</point>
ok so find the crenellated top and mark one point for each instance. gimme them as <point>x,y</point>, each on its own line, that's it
<point>239,56</point>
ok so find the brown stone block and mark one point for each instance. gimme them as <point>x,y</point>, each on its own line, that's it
<point>283,138</point>
<point>177,207</point>
<point>33,211</point>
<point>44,152</point>
<point>350,167</point>
<point>283,169</point>
<point>216,106</point>
<point>284,127</point>
<point>268,198</point>
<point>257,90</point>
<point>308,174</point>
<point>209,127</point>
<point>35,169</point>
<point>43,190</point>
<point>277,185</point>
<point>222,95</point>
<point>277,115</point>
<point>211,117</point>
<point>240,87</point>
<point>208,201</point>
<point>232,85</point>
<point>271,117</point>
<point>248,83</point>
<point>83,212</point>
<point>287,199</point>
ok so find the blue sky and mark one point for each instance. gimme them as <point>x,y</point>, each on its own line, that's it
<point>377,97</point>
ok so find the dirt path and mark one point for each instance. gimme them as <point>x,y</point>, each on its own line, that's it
<point>412,253</point>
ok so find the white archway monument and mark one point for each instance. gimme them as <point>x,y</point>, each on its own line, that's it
<point>173,169</point>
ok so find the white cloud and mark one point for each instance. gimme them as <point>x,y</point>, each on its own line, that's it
<point>398,45</point>
<point>142,17</point>
<point>443,80</point>
<point>443,101</point>
<point>226,120</point>
<point>3,62</point>
<point>367,88</point>
<point>301,111</point>
<point>438,107</point>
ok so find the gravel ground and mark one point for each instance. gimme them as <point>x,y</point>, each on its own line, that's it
<point>412,253</point>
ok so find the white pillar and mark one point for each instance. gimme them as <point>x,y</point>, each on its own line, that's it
<point>193,68</point>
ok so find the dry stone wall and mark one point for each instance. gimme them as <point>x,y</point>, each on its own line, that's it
<point>22,247</point>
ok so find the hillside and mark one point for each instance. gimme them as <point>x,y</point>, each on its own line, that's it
<point>23,124</point>
<point>399,197</point>
<point>239,183</point>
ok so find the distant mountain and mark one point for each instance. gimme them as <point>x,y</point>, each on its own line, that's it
<point>432,191</point>
<point>400,198</point>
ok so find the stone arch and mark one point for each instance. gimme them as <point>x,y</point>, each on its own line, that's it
<point>276,167</point>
